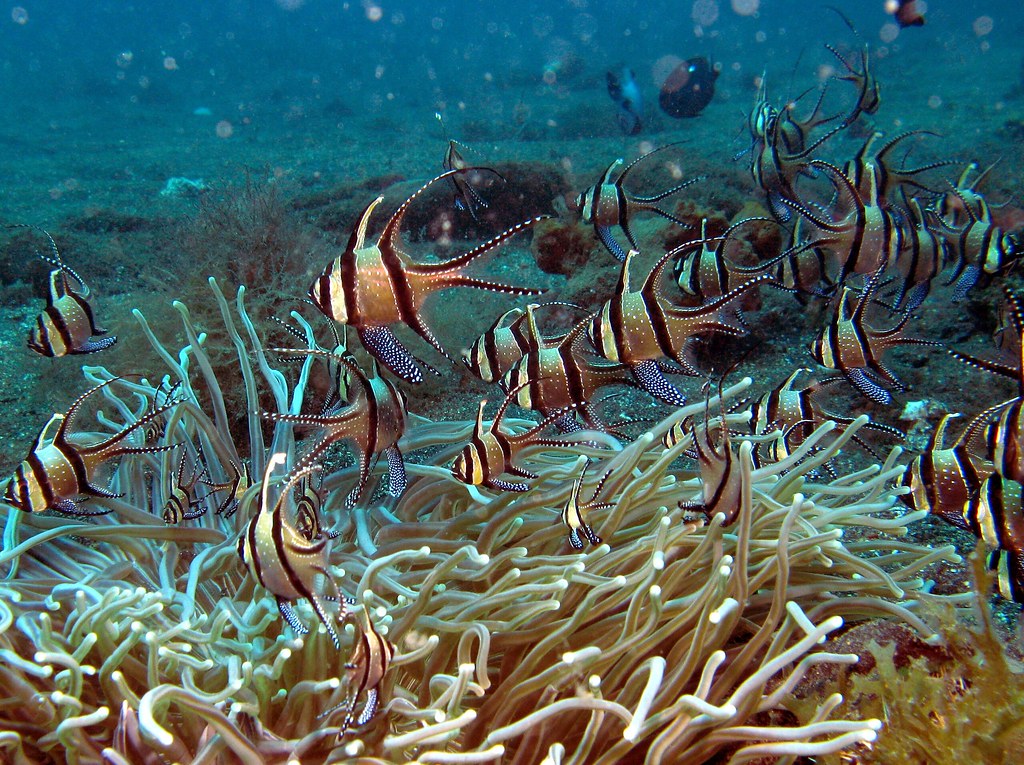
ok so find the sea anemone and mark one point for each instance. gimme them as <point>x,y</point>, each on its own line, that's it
<point>677,639</point>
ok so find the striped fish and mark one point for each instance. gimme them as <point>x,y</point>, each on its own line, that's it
<point>556,375</point>
<point>284,561</point>
<point>338,373</point>
<point>308,509</point>
<point>761,118</point>
<point>466,196</point>
<point>952,205</point>
<point>365,670</point>
<point>873,174</point>
<point>67,325</point>
<point>234,487</point>
<point>720,474</point>
<point>775,158</point>
<point>607,204</point>
<point>944,480</point>
<point>868,92</point>
<point>505,342</point>
<point>1004,437</point>
<point>491,452</point>
<point>997,518</point>
<point>978,246</point>
<point>61,465</point>
<point>182,504</point>
<point>708,272</point>
<point>864,235</point>
<point>805,267</point>
<point>922,258</point>
<point>853,348</point>
<point>795,132</point>
<point>373,420</point>
<point>795,413</point>
<point>371,286</point>
<point>575,512</point>
<point>639,327</point>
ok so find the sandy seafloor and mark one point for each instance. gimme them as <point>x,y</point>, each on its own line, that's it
<point>87,161</point>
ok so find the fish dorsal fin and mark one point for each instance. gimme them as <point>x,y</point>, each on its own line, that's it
<point>357,239</point>
<point>478,428</point>
<point>968,210</point>
<point>533,335</point>
<point>48,434</point>
<point>58,285</point>
<point>939,436</point>
<point>866,294</point>
<point>278,458</point>
<point>623,287</point>
<point>651,282</point>
<point>788,385</point>
<point>389,235</point>
<point>607,174</point>
<point>839,180</point>
<point>509,398</point>
<point>635,162</point>
<point>286,490</point>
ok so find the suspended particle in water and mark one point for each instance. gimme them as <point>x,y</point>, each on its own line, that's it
<point>705,12</point>
<point>542,25</point>
<point>19,15</point>
<point>982,25</point>
<point>225,129</point>
<point>745,7</point>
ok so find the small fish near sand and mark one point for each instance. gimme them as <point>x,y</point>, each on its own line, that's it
<point>688,88</point>
<point>67,325</point>
<point>625,93</point>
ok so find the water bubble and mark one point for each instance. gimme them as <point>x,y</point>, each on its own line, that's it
<point>663,67</point>
<point>584,26</point>
<point>373,11</point>
<point>542,25</point>
<point>19,15</point>
<point>705,12</point>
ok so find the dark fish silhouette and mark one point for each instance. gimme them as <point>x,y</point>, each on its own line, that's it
<point>907,13</point>
<point>626,94</point>
<point>688,88</point>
